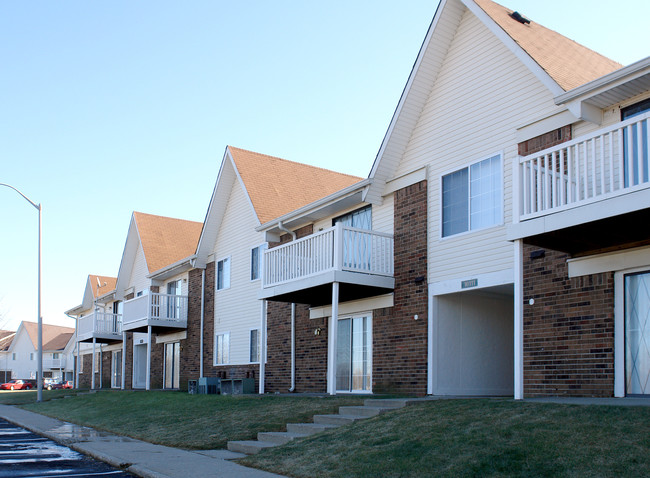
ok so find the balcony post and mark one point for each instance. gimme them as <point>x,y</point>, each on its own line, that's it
<point>92,372</point>
<point>262,346</point>
<point>148,379</point>
<point>338,247</point>
<point>332,336</point>
<point>123,385</point>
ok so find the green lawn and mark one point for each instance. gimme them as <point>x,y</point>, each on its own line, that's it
<point>20,397</point>
<point>188,421</point>
<point>457,438</point>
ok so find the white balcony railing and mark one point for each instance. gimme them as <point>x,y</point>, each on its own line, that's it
<point>337,248</point>
<point>610,162</point>
<point>100,323</point>
<point>163,309</point>
<point>54,363</point>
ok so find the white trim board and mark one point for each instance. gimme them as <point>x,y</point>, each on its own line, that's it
<point>489,279</point>
<point>613,261</point>
<point>353,306</point>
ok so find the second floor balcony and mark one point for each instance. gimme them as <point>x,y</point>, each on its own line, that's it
<point>602,179</point>
<point>303,270</point>
<point>54,364</point>
<point>102,326</point>
<point>155,310</point>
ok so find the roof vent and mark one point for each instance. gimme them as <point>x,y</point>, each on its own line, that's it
<point>519,17</point>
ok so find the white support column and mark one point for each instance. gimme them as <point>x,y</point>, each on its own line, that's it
<point>123,384</point>
<point>332,336</point>
<point>619,335</point>
<point>430,337</point>
<point>148,378</point>
<point>262,346</point>
<point>92,372</point>
<point>101,361</point>
<point>519,320</point>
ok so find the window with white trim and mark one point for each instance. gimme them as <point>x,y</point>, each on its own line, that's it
<point>472,197</point>
<point>31,356</point>
<point>255,345</point>
<point>56,356</point>
<point>223,274</point>
<point>222,348</point>
<point>256,261</point>
<point>13,356</point>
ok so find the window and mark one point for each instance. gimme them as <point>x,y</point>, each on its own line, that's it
<point>13,356</point>
<point>256,261</point>
<point>222,348</point>
<point>223,274</point>
<point>471,197</point>
<point>81,364</point>
<point>360,219</point>
<point>139,293</point>
<point>31,356</point>
<point>631,144</point>
<point>55,356</point>
<point>255,346</point>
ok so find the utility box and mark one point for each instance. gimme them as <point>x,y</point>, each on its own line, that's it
<point>192,387</point>
<point>237,386</point>
<point>209,385</point>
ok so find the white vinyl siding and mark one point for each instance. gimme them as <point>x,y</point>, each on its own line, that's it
<point>139,272</point>
<point>382,215</point>
<point>237,310</point>
<point>480,96</point>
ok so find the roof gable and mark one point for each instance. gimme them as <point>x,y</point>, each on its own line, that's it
<point>101,285</point>
<point>55,337</point>
<point>534,46</point>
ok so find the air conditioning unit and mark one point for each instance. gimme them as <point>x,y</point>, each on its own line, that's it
<point>192,386</point>
<point>209,385</point>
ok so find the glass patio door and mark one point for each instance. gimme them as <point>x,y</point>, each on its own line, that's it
<point>172,364</point>
<point>116,376</point>
<point>174,304</point>
<point>353,355</point>
<point>637,334</point>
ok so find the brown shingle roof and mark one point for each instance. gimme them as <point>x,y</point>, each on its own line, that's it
<point>166,240</point>
<point>101,285</point>
<point>567,62</point>
<point>6,337</point>
<point>55,337</point>
<point>278,186</point>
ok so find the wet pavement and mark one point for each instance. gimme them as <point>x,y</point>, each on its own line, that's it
<point>26,454</point>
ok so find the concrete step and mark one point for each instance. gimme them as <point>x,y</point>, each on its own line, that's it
<point>279,437</point>
<point>308,428</point>
<point>364,411</point>
<point>249,447</point>
<point>386,402</point>
<point>337,419</point>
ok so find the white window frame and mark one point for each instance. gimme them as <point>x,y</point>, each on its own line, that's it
<point>250,345</point>
<point>56,356</point>
<point>80,364</point>
<point>216,352</point>
<point>216,273</point>
<point>468,166</point>
<point>260,255</point>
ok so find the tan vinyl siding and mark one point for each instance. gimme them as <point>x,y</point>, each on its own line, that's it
<point>481,95</point>
<point>382,215</point>
<point>237,309</point>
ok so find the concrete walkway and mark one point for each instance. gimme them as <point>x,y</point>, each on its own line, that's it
<point>135,456</point>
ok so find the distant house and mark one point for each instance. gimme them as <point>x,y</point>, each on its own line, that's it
<point>6,337</point>
<point>22,353</point>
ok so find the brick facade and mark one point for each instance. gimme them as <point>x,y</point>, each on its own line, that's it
<point>311,350</point>
<point>399,341</point>
<point>546,140</point>
<point>569,331</point>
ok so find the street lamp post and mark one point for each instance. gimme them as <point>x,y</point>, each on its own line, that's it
<point>39,354</point>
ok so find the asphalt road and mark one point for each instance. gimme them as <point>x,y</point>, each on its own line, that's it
<point>25,454</point>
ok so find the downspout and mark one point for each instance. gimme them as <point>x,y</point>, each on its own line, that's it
<point>202,318</point>
<point>293,323</point>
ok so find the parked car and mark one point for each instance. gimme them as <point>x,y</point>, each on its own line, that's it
<point>54,385</point>
<point>68,384</point>
<point>17,385</point>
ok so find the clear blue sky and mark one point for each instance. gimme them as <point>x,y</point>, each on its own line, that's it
<point>112,106</point>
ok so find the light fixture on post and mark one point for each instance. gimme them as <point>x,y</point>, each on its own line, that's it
<point>39,355</point>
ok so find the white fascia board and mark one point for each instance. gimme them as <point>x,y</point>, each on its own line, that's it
<point>605,82</point>
<point>203,249</point>
<point>106,297</point>
<point>512,45</point>
<point>405,180</point>
<point>316,205</point>
<point>405,94</point>
<point>609,262</point>
<point>544,125</point>
<point>75,310</point>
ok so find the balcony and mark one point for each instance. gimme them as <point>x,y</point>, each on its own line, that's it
<point>586,194</point>
<point>155,310</point>
<point>102,326</point>
<point>54,364</point>
<point>302,270</point>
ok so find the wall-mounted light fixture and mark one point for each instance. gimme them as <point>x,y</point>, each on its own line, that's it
<point>317,331</point>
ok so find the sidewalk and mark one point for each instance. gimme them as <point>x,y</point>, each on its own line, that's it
<point>135,456</point>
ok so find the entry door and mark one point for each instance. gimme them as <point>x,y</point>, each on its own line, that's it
<point>172,364</point>
<point>173,304</point>
<point>116,377</point>
<point>139,365</point>
<point>637,334</point>
<point>353,355</point>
